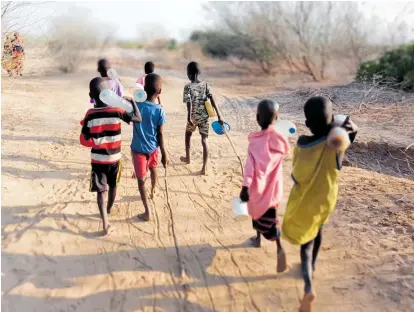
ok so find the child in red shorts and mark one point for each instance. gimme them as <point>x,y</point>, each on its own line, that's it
<point>147,137</point>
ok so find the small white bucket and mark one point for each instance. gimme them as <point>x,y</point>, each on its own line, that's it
<point>239,208</point>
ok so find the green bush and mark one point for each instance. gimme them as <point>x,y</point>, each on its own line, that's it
<point>396,65</point>
<point>128,44</point>
<point>172,44</point>
<point>223,45</point>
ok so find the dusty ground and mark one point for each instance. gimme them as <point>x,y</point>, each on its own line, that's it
<point>54,257</point>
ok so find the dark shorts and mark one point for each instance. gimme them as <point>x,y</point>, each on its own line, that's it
<point>268,225</point>
<point>103,175</point>
<point>203,126</point>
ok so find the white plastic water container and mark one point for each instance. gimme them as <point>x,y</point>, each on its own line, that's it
<point>239,208</point>
<point>285,127</point>
<point>112,99</point>
<point>140,95</point>
<point>338,139</point>
<point>139,86</point>
<point>112,73</point>
<point>339,120</point>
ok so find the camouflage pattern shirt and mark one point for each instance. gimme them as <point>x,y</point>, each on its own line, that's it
<point>197,93</point>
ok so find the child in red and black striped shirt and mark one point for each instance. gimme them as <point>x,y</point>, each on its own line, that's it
<point>101,130</point>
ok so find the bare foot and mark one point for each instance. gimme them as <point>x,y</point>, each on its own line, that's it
<point>114,209</point>
<point>306,304</point>
<point>152,193</point>
<point>281,261</point>
<point>204,172</point>
<point>109,229</point>
<point>185,159</point>
<point>144,216</point>
<point>255,241</point>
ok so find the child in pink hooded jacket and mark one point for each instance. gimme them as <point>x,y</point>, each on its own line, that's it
<point>263,178</point>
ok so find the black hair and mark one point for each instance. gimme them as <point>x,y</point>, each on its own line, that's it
<point>149,67</point>
<point>318,113</point>
<point>103,66</point>
<point>193,68</point>
<point>95,87</point>
<point>153,84</point>
<point>267,111</point>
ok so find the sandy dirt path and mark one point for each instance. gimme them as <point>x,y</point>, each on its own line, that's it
<point>55,259</point>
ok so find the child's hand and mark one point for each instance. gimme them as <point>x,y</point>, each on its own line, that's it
<point>128,98</point>
<point>349,125</point>
<point>244,194</point>
<point>164,160</point>
<point>190,121</point>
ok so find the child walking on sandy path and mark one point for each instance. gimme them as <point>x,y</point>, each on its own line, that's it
<point>195,95</point>
<point>313,197</point>
<point>101,130</point>
<point>147,137</point>
<point>263,178</point>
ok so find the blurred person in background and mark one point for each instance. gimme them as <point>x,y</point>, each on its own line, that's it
<point>114,83</point>
<point>13,55</point>
<point>149,68</point>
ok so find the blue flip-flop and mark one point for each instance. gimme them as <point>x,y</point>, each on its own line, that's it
<point>218,128</point>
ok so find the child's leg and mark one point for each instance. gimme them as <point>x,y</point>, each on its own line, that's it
<point>306,261</point>
<point>281,256</point>
<point>143,192</point>
<point>317,243</point>
<point>111,198</point>
<point>102,211</point>
<point>205,153</point>
<point>141,166</point>
<point>154,179</point>
<point>133,176</point>
<point>256,240</point>
<point>187,158</point>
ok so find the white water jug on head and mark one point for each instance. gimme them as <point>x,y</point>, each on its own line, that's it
<point>112,99</point>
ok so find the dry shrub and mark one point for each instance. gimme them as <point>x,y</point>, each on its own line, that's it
<point>192,51</point>
<point>72,35</point>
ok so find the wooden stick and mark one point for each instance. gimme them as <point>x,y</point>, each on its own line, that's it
<point>234,149</point>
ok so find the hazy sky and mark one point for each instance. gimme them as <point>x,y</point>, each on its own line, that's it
<point>178,18</point>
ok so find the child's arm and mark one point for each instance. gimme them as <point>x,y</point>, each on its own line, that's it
<point>136,117</point>
<point>160,139</point>
<point>84,137</point>
<point>351,127</point>
<point>213,103</point>
<point>187,100</point>
<point>248,178</point>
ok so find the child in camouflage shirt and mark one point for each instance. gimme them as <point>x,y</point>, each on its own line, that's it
<point>195,94</point>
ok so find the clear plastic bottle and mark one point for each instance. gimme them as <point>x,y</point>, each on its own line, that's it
<point>110,98</point>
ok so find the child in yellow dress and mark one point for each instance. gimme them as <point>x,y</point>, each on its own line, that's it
<point>313,197</point>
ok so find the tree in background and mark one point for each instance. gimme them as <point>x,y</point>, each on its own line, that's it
<point>302,36</point>
<point>71,35</point>
<point>20,16</point>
